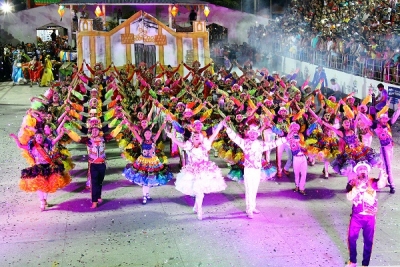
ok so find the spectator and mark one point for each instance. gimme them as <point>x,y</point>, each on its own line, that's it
<point>192,16</point>
<point>381,98</point>
<point>335,88</point>
<point>53,36</point>
<point>318,76</point>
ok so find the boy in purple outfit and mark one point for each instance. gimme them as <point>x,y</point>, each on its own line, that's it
<point>362,192</point>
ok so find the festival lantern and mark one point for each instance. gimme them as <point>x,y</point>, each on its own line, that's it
<point>61,11</point>
<point>174,11</point>
<point>206,11</point>
<point>98,12</point>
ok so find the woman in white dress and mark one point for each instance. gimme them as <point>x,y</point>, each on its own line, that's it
<point>200,176</point>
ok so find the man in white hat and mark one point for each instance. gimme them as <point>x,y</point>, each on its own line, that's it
<point>282,123</point>
<point>362,192</point>
<point>253,149</point>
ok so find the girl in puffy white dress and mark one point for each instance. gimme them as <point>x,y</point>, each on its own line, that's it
<point>200,176</point>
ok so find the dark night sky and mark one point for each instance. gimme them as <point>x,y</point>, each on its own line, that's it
<point>248,5</point>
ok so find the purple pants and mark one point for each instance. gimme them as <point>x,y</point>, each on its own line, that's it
<point>367,224</point>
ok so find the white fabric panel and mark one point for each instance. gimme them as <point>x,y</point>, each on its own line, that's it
<point>170,50</point>
<point>100,50</point>
<point>200,45</point>
<point>187,44</point>
<point>86,53</point>
<point>133,54</point>
<point>157,53</point>
<point>118,51</point>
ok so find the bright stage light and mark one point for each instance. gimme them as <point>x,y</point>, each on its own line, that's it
<point>6,7</point>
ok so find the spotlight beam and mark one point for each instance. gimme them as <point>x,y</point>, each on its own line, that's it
<point>6,7</point>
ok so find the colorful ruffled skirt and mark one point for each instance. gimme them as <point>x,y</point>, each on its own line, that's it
<point>44,177</point>
<point>204,177</point>
<point>236,172</point>
<point>345,162</point>
<point>322,149</point>
<point>147,172</point>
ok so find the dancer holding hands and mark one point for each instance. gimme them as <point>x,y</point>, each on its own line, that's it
<point>200,176</point>
<point>253,149</point>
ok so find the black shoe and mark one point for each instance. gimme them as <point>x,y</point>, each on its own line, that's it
<point>296,189</point>
<point>144,201</point>
<point>392,190</point>
<point>148,197</point>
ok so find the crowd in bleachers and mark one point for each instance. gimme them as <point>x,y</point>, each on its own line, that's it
<point>359,37</point>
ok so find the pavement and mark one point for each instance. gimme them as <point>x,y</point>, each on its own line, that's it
<point>291,230</point>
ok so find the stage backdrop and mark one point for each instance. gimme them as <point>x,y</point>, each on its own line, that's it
<point>142,38</point>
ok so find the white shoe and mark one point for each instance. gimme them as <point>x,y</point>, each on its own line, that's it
<point>256,211</point>
<point>43,205</point>
<point>200,214</point>
<point>250,215</point>
<point>351,264</point>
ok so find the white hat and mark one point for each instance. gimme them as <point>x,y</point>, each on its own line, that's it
<point>384,115</point>
<point>294,126</point>
<point>94,119</point>
<point>254,128</point>
<point>362,164</point>
<point>197,122</point>
<point>188,110</point>
<point>282,109</point>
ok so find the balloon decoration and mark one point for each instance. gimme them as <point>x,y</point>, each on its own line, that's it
<point>174,11</point>
<point>206,11</point>
<point>61,11</point>
<point>98,12</point>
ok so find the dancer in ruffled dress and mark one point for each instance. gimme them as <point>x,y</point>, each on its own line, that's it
<point>47,174</point>
<point>200,176</point>
<point>351,148</point>
<point>147,170</point>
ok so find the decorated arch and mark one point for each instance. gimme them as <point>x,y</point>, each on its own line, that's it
<point>142,38</point>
